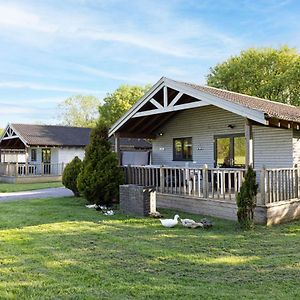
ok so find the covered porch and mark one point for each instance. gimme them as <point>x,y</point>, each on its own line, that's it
<point>203,141</point>
<point>19,161</point>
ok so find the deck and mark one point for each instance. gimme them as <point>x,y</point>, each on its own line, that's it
<point>213,191</point>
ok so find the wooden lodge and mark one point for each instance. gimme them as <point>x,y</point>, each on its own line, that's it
<point>203,140</point>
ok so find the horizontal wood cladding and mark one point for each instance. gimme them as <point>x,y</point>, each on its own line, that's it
<point>273,147</point>
<point>202,124</point>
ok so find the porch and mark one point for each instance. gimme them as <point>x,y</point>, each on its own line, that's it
<point>213,191</point>
<point>18,172</point>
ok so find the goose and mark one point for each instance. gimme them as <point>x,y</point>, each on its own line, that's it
<point>169,222</point>
<point>190,223</point>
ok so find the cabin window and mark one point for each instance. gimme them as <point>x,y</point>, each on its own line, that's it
<point>182,149</point>
<point>33,155</point>
<point>230,151</point>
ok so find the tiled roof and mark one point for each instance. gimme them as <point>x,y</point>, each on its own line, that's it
<point>54,135</point>
<point>271,108</point>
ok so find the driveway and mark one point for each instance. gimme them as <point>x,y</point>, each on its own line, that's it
<point>43,193</point>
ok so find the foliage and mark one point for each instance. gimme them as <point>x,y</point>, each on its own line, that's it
<point>120,101</point>
<point>70,175</point>
<point>19,187</point>
<point>246,199</point>
<point>44,241</point>
<point>79,110</point>
<point>268,73</point>
<point>101,175</point>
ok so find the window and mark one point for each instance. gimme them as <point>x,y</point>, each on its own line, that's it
<point>230,151</point>
<point>33,155</point>
<point>182,149</point>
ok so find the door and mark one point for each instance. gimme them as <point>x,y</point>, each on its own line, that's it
<point>230,151</point>
<point>46,160</point>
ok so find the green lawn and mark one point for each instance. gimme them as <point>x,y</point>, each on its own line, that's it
<point>58,249</point>
<point>18,187</point>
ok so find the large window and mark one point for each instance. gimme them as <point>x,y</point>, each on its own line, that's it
<point>182,149</point>
<point>230,151</point>
<point>33,155</point>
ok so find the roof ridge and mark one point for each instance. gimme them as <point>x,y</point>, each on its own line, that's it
<point>50,125</point>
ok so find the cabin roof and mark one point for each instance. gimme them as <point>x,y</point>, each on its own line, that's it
<point>270,108</point>
<point>167,97</point>
<point>53,135</point>
<point>17,136</point>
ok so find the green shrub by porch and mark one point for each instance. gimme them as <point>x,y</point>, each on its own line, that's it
<point>101,175</point>
<point>246,199</point>
<point>70,175</point>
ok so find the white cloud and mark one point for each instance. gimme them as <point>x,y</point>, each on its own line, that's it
<point>167,34</point>
<point>45,87</point>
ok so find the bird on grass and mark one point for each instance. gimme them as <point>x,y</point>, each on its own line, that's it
<point>169,223</point>
<point>190,223</point>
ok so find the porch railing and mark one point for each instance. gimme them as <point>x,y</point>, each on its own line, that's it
<point>24,169</point>
<point>216,183</point>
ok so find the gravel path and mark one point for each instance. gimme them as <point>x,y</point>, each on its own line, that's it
<point>43,193</point>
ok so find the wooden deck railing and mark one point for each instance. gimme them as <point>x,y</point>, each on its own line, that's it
<point>24,169</point>
<point>279,184</point>
<point>202,183</point>
<point>216,183</point>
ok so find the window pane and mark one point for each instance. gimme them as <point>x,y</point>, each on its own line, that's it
<point>177,149</point>
<point>187,149</point>
<point>239,151</point>
<point>33,155</point>
<point>223,152</point>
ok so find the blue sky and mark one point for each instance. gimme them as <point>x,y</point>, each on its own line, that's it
<point>52,49</point>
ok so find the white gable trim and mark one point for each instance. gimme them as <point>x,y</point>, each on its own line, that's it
<point>204,99</point>
<point>10,127</point>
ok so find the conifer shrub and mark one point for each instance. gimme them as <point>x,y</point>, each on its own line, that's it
<point>246,199</point>
<point>70,175</point>
<point>101,174</point>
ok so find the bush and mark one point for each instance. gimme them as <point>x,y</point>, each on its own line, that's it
<point>246,200</point>
<point>101,175</point>
<point>70,175</point>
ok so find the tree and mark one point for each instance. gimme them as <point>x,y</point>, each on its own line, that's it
<point>120,101</point>
<point>101,175</point>
<point>246,199</point>
<point>80,110</point>
<point>268,73</point>
<point>70,175</point>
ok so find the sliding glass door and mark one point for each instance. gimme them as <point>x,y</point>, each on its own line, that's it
<point>230,151</point>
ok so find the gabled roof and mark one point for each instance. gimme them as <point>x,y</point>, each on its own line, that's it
<point>56,135</point>
<point>52,135</point>
<point>272,109</point>
<point>168,96</point>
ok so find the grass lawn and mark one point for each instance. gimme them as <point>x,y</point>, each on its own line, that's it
<point>18,187</point>
<point>58,249</point>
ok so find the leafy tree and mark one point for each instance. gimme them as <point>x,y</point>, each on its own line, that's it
<point>70,175</point>
<point>120,101</point>
<point>246,199</point>
<point>268,73</point>
<point>80,110</point>
<point>101,175</point>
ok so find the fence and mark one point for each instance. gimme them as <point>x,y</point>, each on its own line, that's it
<point>24,169</point>
<point>216,183</point>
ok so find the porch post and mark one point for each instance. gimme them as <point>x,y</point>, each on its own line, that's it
<point>249,143</point>
<point>117,147</point>
<point>26,161</point>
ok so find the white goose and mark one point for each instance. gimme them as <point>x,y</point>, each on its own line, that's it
<point>169,222</point>
<point>190,223</point>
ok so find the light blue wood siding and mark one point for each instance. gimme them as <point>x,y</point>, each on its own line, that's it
<point>201,124</point>
<point>273,147</point>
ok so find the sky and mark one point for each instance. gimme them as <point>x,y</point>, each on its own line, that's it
<point>53,49</point>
